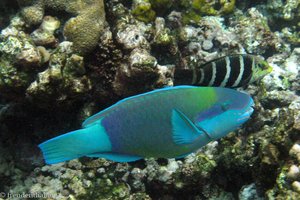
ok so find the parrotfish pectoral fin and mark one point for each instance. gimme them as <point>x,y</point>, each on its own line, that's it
<point>116,157</point>
<point>76,144</point>
<point>184,130</point>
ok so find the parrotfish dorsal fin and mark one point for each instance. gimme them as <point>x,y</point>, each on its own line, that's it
<point>184,130</point>
<point>96,118</point>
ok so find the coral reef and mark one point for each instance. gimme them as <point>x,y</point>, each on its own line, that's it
<point>194,9</point>
<point>85,29</point>
<point>260,41</point>
<point>62,79</point>
<point>33,15</point>
<point>161,7</point>
<point>18,55</point>
<point>62,61</point>
<point>44,35</point>
<point>284,16</point>
<point>141,9</point>
<point>201,44</point>
<point>140,69</point>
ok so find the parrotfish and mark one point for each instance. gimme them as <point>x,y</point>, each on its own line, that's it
<point>232,71</point>
<point>165,123</point>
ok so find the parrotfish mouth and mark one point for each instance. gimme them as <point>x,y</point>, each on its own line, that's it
<point>246,115</point>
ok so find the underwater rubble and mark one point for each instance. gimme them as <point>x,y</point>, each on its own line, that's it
<point>62,61</point>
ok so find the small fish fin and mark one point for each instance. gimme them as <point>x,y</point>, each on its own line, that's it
<point>94,119</point>
<point>116,157</point>
<point>75,144</point>
<point>184,131</point>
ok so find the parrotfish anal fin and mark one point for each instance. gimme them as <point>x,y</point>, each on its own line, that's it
<point>184,130</point>
<point>116,157</point>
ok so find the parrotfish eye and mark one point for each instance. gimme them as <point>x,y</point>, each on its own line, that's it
<point>225,106</point>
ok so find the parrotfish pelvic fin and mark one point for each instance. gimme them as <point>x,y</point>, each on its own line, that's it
<point>184,130</point>
<point>75,144</point>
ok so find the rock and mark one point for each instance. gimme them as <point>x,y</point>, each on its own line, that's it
<point>296,186</point>
<point>33,15</point>
<point>249,192</point>
<point>293,173</point>
<point>44,35</point>
<point>295,151</point>
<point>29,58</point>
<point>142,10</point>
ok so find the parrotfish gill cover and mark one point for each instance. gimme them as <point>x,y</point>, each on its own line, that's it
<point>164,123</point>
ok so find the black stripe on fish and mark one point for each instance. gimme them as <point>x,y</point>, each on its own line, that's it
<point>235,75</point>
<point>220,72</point>
<point>183,76</point>
<point>248,64</point>
<point>207,74</point>
<point>241,72</point>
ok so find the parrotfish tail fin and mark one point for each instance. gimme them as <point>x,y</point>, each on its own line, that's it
<point>76,144</point>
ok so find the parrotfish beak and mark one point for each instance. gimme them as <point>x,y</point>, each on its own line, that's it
<point>246,115</point>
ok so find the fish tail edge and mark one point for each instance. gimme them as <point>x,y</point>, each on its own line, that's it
<point>75,144</point>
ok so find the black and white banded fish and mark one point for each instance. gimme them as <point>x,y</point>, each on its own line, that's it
<point>233,71</point>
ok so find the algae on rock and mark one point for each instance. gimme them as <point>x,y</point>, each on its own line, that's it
<point>62,80</point>
<point>142,10</point>
<point>195,9</point>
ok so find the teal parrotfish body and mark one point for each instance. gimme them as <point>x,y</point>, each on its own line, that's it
<point>164,123</point>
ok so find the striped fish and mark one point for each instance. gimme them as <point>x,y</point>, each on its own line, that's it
<point>232,71</point>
